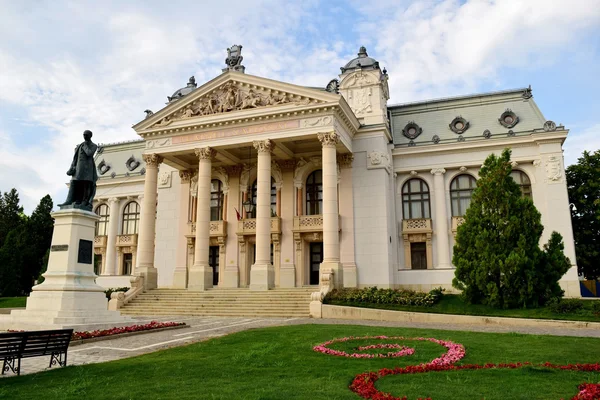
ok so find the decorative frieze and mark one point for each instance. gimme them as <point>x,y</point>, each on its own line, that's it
<point>318,121</point>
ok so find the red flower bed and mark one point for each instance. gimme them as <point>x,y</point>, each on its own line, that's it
<point>123,329</point>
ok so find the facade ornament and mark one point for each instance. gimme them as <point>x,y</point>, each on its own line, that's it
<point>461,138</point>
<point>549,126</point>
<point>185,176</point>
<point>514,164</point>
<point>233,170</point>
<point>103,167</point>
<point>511,133</point>
<point>277,174</point>
<point>553,169</point>
<point>414,173</point>
<point>462,169</point>
<point>527,93</point>
<point>234,59</point>
<point>205,153</point>
<point>132,163</point>
<point>164,179</point>
<point>194,185</point>
<point>152,159</point>
<point>245,178</point>
<point>328,139</point>
<point>287,165</point>
<point>412,130</point>
<point>537,163</point>
<point>487,134</point>
<point>345,160</point>
<point>411,143</point>
<point>263,146</point>
<point>221,174</point>
<point>333,86</point>
<point>360,100</point>
<point>143,171</point>
<point>435,139</point>
<point>113,175</point>
<point>151,144</point>
<point>378,159</point>
<point>149,113</point>
<point>319,121</point>
<point>438,171</point>
<point>508,119</point>
<point>459,125</point>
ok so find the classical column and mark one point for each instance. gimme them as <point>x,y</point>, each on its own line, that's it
<point>201,273</point>
<point>331,229</point>
<point>147,233</point>
<point>181,271</point>
<point>441,219</point>
<point>262,273</point>
<point>111,240</point>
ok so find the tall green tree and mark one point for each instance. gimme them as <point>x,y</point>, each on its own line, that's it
<point>11,213</point>
<point>497,255</point>
<point>40,227</point>
<point>583,183</point>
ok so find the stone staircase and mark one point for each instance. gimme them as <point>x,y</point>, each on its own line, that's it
<point>292,302</point>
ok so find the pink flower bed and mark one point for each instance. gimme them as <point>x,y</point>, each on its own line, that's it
<point>124,329</point>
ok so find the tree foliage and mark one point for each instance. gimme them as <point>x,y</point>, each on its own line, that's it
<point>583,183</point>
<point>25,243</point>
<point>497,255</point>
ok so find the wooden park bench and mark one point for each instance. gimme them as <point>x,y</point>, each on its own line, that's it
<point>17,345</point>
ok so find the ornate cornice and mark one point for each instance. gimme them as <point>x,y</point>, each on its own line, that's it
<point>263,146</point>
<point>345,160</point>
<point>185,176</point>
<point>152,160</point>
<point>205,153</point>
<point>328,139</point>
<point>438,171</point>
<point>234,170</point>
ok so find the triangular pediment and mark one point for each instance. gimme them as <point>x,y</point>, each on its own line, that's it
<point>231,94</point>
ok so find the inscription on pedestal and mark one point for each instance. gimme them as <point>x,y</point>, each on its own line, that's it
<point>59,247</point>
<point>85,255</point>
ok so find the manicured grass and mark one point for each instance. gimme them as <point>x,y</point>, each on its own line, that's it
<point>452,304</point>
<point>12,302</point>
<point>279,363</point>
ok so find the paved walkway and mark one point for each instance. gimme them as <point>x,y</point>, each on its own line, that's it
<point>202,328</point>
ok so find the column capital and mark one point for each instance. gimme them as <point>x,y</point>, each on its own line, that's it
<point>263,146</point>
<point>152,160</point>
<point>328,139</point>
<point>345,160</point>
<point>438,171</point>
<point>205,153</point>
<point>185,176</point>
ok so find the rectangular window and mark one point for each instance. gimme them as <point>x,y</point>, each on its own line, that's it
<point>127,263</point>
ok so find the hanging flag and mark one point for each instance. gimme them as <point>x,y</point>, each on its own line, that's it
<point>237,213</point>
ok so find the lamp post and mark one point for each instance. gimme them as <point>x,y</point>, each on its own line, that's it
<point>248,206</point>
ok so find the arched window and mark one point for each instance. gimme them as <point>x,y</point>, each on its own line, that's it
<point>273,197</point>
<point>461,190</point>
<point>415,199</point>
<point>523,181</point>
<point>216,200</point>
<point>131,218</point>
<point>102,225</point>
<point>314,193</point>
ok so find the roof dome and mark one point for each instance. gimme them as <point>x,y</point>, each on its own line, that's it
<point>363,61</point>
<point>191,85</point>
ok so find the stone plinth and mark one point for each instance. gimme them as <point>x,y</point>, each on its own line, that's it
<point>69,296</point>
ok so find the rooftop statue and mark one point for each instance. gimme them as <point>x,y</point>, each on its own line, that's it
<point>82,188</point>
<point>234,59</point>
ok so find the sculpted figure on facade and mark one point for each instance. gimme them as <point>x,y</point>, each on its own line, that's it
<point>553,169</point>
<point>82,188</point>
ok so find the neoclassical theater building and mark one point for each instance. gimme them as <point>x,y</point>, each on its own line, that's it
<point>248,182</point>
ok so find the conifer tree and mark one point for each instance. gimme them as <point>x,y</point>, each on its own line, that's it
<point>497,255</point>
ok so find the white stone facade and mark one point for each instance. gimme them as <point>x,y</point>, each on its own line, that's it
<point>337,163</point>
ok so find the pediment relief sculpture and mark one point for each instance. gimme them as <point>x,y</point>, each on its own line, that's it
<point>234,97</point>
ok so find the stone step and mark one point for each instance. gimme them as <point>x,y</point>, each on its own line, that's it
<point>217,313</point>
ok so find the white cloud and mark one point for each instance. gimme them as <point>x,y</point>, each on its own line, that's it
<point>580,140</point>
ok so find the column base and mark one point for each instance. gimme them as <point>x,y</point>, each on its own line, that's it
<point>262,277</point>
<point>150,275</point>
<point>287,276</point>
<point>338,272</point>
<point>180,279</point>
<point>201,277</point>
<point>350,275</point>
<point>570,283</point>
<point>231,277</point>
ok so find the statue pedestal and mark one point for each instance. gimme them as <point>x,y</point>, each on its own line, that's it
<point>69,296</point>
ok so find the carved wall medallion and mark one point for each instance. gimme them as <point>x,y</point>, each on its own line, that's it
<point>487,134</point>
<point>508,119</point>
<point>462,169</point>
<point>103,167</point>
<point>459,125</point>
<point>549,126</point>
<point>435,139</point>
<point>378,159</point>
<point>132,163</point>
<point>553,169</point>
<point>164,180</point>
<point>412,130</point>
<point>360,101</point>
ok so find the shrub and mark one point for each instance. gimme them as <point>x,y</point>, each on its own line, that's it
<point>110,291</point>
<point>565,306</point>
<point>596,308</point>
<point>383,296</point>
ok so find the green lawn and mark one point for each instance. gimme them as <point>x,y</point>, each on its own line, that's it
<point>12,302</point>
<point>452,304</point>
<point>279,363</point>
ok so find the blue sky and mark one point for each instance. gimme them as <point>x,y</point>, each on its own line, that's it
<point>66,66</point>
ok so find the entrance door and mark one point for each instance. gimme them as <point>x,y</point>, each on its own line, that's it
<point>97,264</point>
<point>316,258</point>
<point>213,261</point>
<point>418,255</point>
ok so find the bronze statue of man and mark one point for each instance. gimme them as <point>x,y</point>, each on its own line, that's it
<point>84,175</point>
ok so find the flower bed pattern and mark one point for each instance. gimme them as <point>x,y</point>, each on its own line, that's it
<point>364,384</point>
<point>124,329</point>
